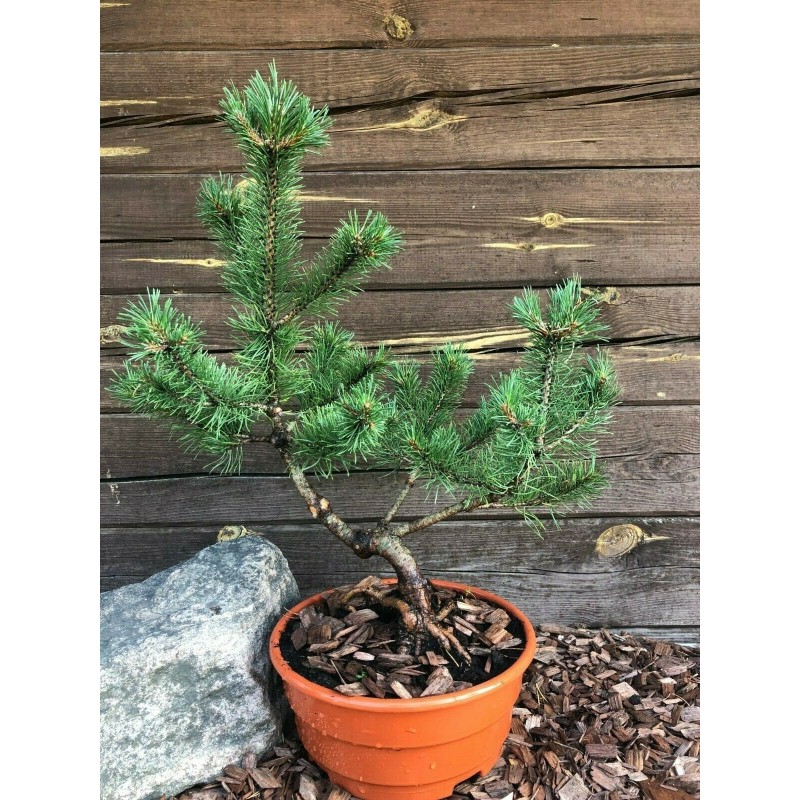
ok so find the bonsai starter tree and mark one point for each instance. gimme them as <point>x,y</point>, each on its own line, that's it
<point>331,404</point>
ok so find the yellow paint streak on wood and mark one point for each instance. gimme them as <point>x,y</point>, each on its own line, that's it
<point>114,152</point>
<point>104,103</point>
<point>552,219</point>
<point>208,263</point>
<point>152,102</point>
<point>313,197</point>
<point>533,247</point>
<point>113,5</point>
<point>427,119</point>
<point>472,341</point>
<point>675,357</point>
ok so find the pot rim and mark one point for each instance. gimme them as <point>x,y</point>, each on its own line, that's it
<point>393,705</point>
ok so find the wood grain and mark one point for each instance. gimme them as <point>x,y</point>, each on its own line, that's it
<point>561,557</point>
<point>618,255</point>
<point>639,599</point>
<point>161,87</point>
<point>478,318</point>
<point>462,544</point>
<point>663,485</point>
<point>655,596</point>
<point>201,25</point>
<point>653,374</point>
<point>499,207</point>
<point>640,126</point>
<point>134,447</point>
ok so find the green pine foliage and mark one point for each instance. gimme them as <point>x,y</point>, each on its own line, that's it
<point>531,442</point>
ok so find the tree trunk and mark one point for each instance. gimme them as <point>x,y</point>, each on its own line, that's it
<point>413,587</point>
<point>416,607</point>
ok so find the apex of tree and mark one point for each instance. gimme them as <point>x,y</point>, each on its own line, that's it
<point>328,404</point>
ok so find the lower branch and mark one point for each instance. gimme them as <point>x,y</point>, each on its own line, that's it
<point>415,604</point>
<point>438,516</point>
<point>409,484</point>
<point>318,505</point>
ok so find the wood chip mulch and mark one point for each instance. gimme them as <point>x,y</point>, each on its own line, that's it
<point>342,643</point>
<point>601,716</point>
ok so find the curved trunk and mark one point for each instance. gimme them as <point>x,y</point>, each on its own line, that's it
<point>416,606</point>
<point>414,588</point>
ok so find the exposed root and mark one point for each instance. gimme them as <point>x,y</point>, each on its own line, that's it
<point>445,610</point>
<point>447,639</point>
<point>368,586</point>
<point>415,622</point>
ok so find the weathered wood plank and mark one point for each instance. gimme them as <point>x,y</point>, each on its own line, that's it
<point>654,596</point>
<point>135,447</point>
<point>199,24</point>
<point>664,485</point>
<point>653,374</point>
<point>561,564</point>
<point>646,597</point>
<point>461,545</point>
<point>556,208</point>
<point>476,317</point>
<point>625,255</point>
<point>687,635</point>
<point>138,86</point>
<point>637,127</point>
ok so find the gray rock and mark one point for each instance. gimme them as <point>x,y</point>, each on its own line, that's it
<point>185,683</point>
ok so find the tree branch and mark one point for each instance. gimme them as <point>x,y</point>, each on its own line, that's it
<point>173,351</point>
<point>438,516</point>
<point>547,383</point>
<point>270,235</point>
<point>570,430</point>
<point>326,286</point>
<point>369,368</point>
<point>410,480</point>
<point>318,505</point>
<point>270,263</point>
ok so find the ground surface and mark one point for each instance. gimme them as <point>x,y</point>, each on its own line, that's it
<point>601,716</point>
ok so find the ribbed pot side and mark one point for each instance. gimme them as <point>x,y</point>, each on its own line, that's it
<point>417,749</point>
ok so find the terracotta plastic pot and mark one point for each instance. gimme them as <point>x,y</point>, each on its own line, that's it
<point>417,749</point>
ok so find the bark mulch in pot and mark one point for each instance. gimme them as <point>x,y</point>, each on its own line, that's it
<point>353,642</point>
<point>601,716</point>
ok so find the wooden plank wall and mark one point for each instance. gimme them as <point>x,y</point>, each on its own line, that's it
<point>515,143</point>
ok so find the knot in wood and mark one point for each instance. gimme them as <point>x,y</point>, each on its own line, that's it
<point>619,540</point>
<point>397,27</point>
<point>603,294</point>
<point>112,333</point>
<point>552,219</point>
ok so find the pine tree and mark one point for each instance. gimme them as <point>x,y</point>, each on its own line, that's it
<point>331,404</point>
